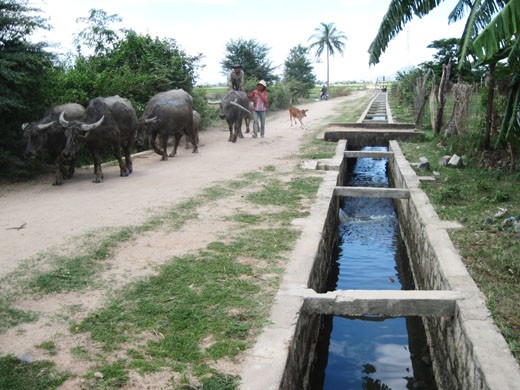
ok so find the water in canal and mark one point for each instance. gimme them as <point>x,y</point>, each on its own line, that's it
<point>372,352</point>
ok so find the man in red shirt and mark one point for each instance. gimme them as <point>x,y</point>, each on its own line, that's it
<point>259,96</point>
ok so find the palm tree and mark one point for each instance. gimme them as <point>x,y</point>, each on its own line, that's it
<point>328,38</point>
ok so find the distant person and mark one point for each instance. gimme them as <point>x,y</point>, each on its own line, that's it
<point>236,78</point>
<point>323,94</point>
<point>259,96</point>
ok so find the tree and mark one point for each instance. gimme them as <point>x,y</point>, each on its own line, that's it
<point>298,71</point>
<point>97,35</point>
<point>253,56</point>
<point>25,70</point>
<point>328,38</point>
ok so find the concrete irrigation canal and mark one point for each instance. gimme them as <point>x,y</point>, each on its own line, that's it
<point>375,294</point>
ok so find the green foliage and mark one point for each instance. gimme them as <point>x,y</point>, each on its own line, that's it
<point>279,96</point>
<point>254,58</point>
<point>137,68</point>
<point>97,35</point>
<point>403,88</point>
<point>209,113</point>
<point>25,69</point>
<point>298,72</point>
<point>40,375</point>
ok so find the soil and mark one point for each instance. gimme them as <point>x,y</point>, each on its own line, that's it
<point>37,217</point>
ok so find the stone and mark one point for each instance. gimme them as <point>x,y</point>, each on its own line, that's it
<point>443,161</point>
<point>424,164</point>
<point>98,375</point>
<point>455,161</point>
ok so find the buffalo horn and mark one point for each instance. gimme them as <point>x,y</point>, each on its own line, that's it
<point>24,126</point>
<point>92,126</point>
<point>45,125</point>
<point>63,121</point>
<point>214,102</point>
<point>151,120</point>
<point>239,106</point>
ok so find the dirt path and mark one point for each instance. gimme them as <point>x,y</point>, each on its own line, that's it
<point>52,217</point>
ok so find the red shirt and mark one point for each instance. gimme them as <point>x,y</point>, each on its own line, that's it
<point>259,100</point>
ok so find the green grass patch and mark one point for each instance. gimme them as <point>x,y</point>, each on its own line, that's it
<point>10,316</point>
<point>114,375</point>
<point>49,346</point>
<point>201,308</point>
<point>18,375</point>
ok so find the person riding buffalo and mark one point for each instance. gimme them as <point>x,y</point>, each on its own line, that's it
<point>236,78</point>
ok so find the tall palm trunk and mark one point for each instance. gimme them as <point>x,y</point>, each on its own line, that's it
<point>328,86</point>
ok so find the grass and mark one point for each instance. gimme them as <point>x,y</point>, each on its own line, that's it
<point>474,196</point>
<point>18,375</point>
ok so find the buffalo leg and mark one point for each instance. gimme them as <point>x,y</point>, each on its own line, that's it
<point>123,170</point>
<point>128,158</point>
<point>156,148</point>
<point>97,168</point>
<point>177,139</point>
<point>164,144</point>
<point>70,172</point>
<point>58,176</point>
<point>239,131</point>
<point>230,125</point>
<point>195,141</point>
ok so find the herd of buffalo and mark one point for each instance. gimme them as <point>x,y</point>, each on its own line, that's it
<point>112,122</point>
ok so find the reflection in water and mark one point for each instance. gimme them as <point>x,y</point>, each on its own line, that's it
<point>365,354</point>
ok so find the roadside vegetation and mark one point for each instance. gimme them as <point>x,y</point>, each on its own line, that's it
<point>483,196</point>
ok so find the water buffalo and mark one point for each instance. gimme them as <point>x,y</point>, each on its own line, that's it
<point>47,133</point>
<point>168,113</point>
<point>108,122</point>
<point>234,107</point>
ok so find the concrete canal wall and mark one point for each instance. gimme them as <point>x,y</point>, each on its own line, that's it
<point>467,350</point>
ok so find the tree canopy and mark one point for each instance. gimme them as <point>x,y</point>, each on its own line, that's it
<point>253,56</point>
<point>298,71</point>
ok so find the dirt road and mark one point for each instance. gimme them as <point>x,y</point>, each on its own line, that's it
<point>36,217</point>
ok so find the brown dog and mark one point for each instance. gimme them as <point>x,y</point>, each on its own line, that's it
<point>297,114</point>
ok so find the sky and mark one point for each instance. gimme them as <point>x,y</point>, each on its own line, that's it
<point>205,26</point>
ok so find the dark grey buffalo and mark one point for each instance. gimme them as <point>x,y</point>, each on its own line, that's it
<point>234,107</point>
<point>168,113</point>
<point>47,133</point>
<point>108,122</point>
